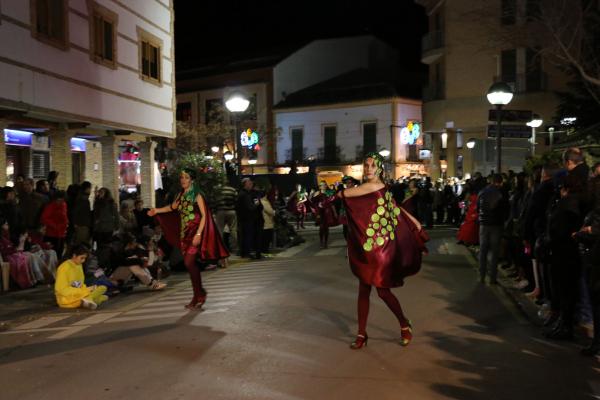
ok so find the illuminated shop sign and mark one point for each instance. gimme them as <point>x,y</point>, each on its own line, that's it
<point>411,133</point>
<point>249,139</point>
<point>77,144</point>
<point>17,138</point>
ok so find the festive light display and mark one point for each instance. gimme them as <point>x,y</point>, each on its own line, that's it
<point>249,139</point>
<point>410,133</point>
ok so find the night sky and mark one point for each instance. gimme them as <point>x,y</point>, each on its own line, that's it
<point>213,31</point>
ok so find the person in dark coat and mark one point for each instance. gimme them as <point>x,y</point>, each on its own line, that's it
<point>30,205</point>
<point>565,218</point>
<point>82,215</point>
<point>588,238</point>
<point>249,216</point>
<point>492,207</point>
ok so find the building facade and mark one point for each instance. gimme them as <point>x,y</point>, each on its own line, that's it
<point>334,134</point>
<point>465,56</point>
<point>201,96</point>
<point>99,72</point>
<point>271,80</point>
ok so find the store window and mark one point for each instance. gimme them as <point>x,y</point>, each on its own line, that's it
<point>329,143</point>
<point>129,167</point>
<point>103,35</point>
<point>297,144</point>
<point>184,112</point>
<point>49,22</point>
<point>150,53</point>
<point>214,111</point>
<point>509,12</point>
<point>369,137</point>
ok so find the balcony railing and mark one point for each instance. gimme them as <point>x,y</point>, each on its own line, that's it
<point>525,83</point>
<point>434,91</point>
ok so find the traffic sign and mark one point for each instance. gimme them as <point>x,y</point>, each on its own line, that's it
<point>510,131</point>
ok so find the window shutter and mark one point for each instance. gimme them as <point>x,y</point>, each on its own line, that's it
<point>41,164</point>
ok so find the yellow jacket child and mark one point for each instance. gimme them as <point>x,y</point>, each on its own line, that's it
<point>70,289</point>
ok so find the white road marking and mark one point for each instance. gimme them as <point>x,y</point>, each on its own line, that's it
<point>145,317</point>
<point>42,322</point>
<point>294,250</point>
<point>96,319</point>
<point>328,252</point>
<point>68,332</point>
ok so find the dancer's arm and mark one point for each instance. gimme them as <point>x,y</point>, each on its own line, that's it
<point>173,206</point>
<point>202,207</point>
<point>363,189</point>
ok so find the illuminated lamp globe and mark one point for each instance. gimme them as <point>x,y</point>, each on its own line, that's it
<point>499,94</point>
<point>228,156</point>
<point>215,149</point>
<point>384,153</point>
<point>535,122</point>
<point>237,102</point>
<point>471,143</point>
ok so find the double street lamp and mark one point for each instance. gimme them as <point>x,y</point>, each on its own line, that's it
<point>499,94</point>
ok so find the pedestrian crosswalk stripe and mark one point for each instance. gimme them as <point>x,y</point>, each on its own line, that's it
<point>144,317</point>
<point>329,252</point>
<point>216,310</point>
<point>184,297</point>
<point>258,274</point>
<point>73,329</point>
<point>42,322</point>
<point>228,290</point>
<point>96,318</point>
<point>240,285</point>
<point>294,250</point>
<point>157,310</point>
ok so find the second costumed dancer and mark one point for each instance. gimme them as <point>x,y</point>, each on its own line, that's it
<point>385,245</point>
<point>192,230</point>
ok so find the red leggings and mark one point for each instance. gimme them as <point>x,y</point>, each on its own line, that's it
<point>364,291</point>
<point>190,263</point>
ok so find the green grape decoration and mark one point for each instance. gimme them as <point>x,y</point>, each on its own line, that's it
<point>383,223</point>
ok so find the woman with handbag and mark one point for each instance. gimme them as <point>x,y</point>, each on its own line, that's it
<point>384,245</point>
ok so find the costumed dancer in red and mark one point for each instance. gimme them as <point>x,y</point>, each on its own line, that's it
<point>322,204</point>
<point>297,205</point>
<point>385,244</point>
<point>192,230</point>
<point>468,233</point>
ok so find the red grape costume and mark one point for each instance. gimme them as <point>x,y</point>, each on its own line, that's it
<point>179,230</point>
<point>384,247</point>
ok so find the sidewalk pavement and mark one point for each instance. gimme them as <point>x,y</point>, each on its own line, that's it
<point>526,305</point>
<point>20,306</point>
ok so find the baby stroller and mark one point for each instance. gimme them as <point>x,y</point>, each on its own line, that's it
<point>286,235</point>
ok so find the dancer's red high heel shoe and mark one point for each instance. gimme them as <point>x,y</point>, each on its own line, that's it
<point>197,302</point>
<point>406,334</point>
<point>359,342</point>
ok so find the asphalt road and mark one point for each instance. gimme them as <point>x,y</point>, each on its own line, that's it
<point>280,329</point>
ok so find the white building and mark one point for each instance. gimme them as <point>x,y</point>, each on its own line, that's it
<point>338,121</point>
<point>102,71</point>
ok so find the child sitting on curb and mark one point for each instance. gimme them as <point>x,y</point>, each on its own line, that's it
<point>70,289</point>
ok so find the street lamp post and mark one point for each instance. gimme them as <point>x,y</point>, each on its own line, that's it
<point>471,145</point>
<point>252,161</point>
<point>237,103</point>
<point>499,94</point>
<point>535,122</point>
